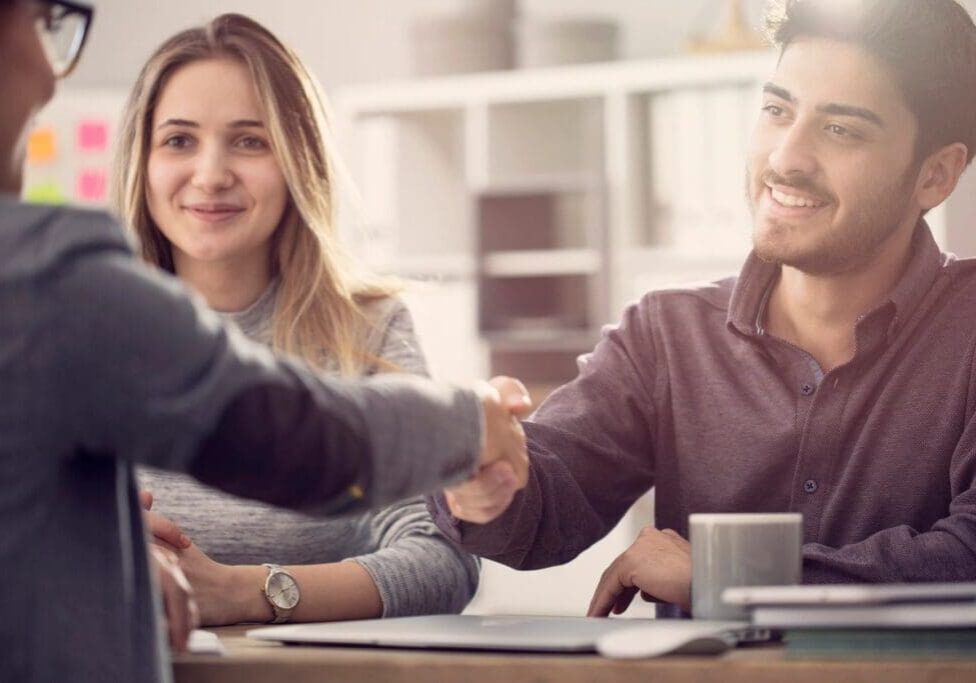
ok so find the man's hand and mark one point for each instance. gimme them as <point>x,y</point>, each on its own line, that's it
<point>504,463</point>
<point>658,564</point>
<point>181,611</point>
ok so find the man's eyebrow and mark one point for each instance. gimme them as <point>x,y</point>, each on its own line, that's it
<point>834,108</point>
<point>850,110</point>
<point>779,91</point>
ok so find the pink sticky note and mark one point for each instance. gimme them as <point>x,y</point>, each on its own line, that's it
<point>92,136</point>
<point>92,185</point>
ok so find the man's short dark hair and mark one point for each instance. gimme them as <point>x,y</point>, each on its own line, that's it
<point>929,46</point>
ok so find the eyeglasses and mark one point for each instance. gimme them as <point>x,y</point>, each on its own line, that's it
<point>62,28</point>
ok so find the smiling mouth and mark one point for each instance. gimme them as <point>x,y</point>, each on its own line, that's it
<point>214,213</point>
<point>795,201</point>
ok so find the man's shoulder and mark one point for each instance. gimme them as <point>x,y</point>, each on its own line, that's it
<point>693,297</point>
<point>961,273</point>
<point>35,238</point>
<point>963,270</point>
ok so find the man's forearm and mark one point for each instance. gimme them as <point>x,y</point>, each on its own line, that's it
<point>899,554</point>
<point>336,448</point>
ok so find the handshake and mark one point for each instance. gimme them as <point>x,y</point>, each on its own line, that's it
<point>503,467</point>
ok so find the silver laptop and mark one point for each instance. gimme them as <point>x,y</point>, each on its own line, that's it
<point>505,633</point>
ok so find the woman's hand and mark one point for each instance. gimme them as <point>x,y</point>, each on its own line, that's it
<point>224,594</point>
<point>163,530</point>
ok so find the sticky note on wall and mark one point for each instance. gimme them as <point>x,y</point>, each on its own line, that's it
<point>92,185</point>
<point>92,136</point>
<point>45,193</point>
<point>42,146</point>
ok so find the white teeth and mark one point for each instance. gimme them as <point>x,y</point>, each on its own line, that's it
<point>793,200</point>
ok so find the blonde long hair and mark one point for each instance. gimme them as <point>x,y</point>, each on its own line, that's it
<point>319,310</point>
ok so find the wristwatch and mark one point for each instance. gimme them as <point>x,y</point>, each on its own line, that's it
<point>281,592</point>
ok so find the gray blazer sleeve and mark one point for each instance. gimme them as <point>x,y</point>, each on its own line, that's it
<point>148,374</point>
<point>416,569</point>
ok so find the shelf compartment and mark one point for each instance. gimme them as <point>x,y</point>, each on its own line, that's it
<point>542,263</point>
<point>534,221</point>
<point>534,303</point>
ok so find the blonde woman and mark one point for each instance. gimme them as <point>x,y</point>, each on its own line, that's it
<point>225,173</point>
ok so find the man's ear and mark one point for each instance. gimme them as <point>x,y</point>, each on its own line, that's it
<point>939,174</point>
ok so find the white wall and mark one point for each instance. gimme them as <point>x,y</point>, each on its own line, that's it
<point>347,41</point>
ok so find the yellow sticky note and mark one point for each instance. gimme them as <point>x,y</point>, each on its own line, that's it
<point>42,146</point>
<point>45,193</point>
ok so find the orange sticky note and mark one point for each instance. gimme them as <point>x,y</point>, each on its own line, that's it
<point>42,146</point>
<point>92,184</point>
<point>92,136</point>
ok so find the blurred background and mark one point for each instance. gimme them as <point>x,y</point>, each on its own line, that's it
<point>529,167</point>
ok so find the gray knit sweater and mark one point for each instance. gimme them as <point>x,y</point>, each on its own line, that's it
<point>416,569</point>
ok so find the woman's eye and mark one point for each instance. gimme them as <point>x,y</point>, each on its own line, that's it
<point>773,109</point>
<point>252,143</point>
<point>177,142</point>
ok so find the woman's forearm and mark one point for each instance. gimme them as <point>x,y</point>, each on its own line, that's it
<point>329,592</point>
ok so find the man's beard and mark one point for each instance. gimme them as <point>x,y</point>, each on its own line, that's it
<point>842,248</point>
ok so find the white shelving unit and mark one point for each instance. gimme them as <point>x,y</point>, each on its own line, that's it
<point>551,197</point>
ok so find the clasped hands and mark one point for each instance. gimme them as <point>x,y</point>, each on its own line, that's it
<point>503,467</point>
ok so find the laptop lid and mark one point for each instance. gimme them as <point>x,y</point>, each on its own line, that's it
<point>472,632</point>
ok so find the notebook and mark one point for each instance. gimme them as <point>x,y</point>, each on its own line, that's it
<point>850,594</point>
<point>516,634</point>
<point>922,605</point>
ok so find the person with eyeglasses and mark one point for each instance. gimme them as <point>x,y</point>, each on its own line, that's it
<point>105,364</point>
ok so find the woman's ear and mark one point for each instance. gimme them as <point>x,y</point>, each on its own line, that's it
<point>939,174</point>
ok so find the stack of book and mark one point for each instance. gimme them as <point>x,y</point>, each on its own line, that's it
<point>890,643</point>
<point>866,621</point>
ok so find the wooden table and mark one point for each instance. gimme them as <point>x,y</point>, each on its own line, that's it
<point>247,661</point>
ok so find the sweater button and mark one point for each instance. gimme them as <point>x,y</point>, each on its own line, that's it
<point>806,389</point>
<point>810,486</point>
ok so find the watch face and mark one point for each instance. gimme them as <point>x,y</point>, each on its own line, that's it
<point>282,590</point>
